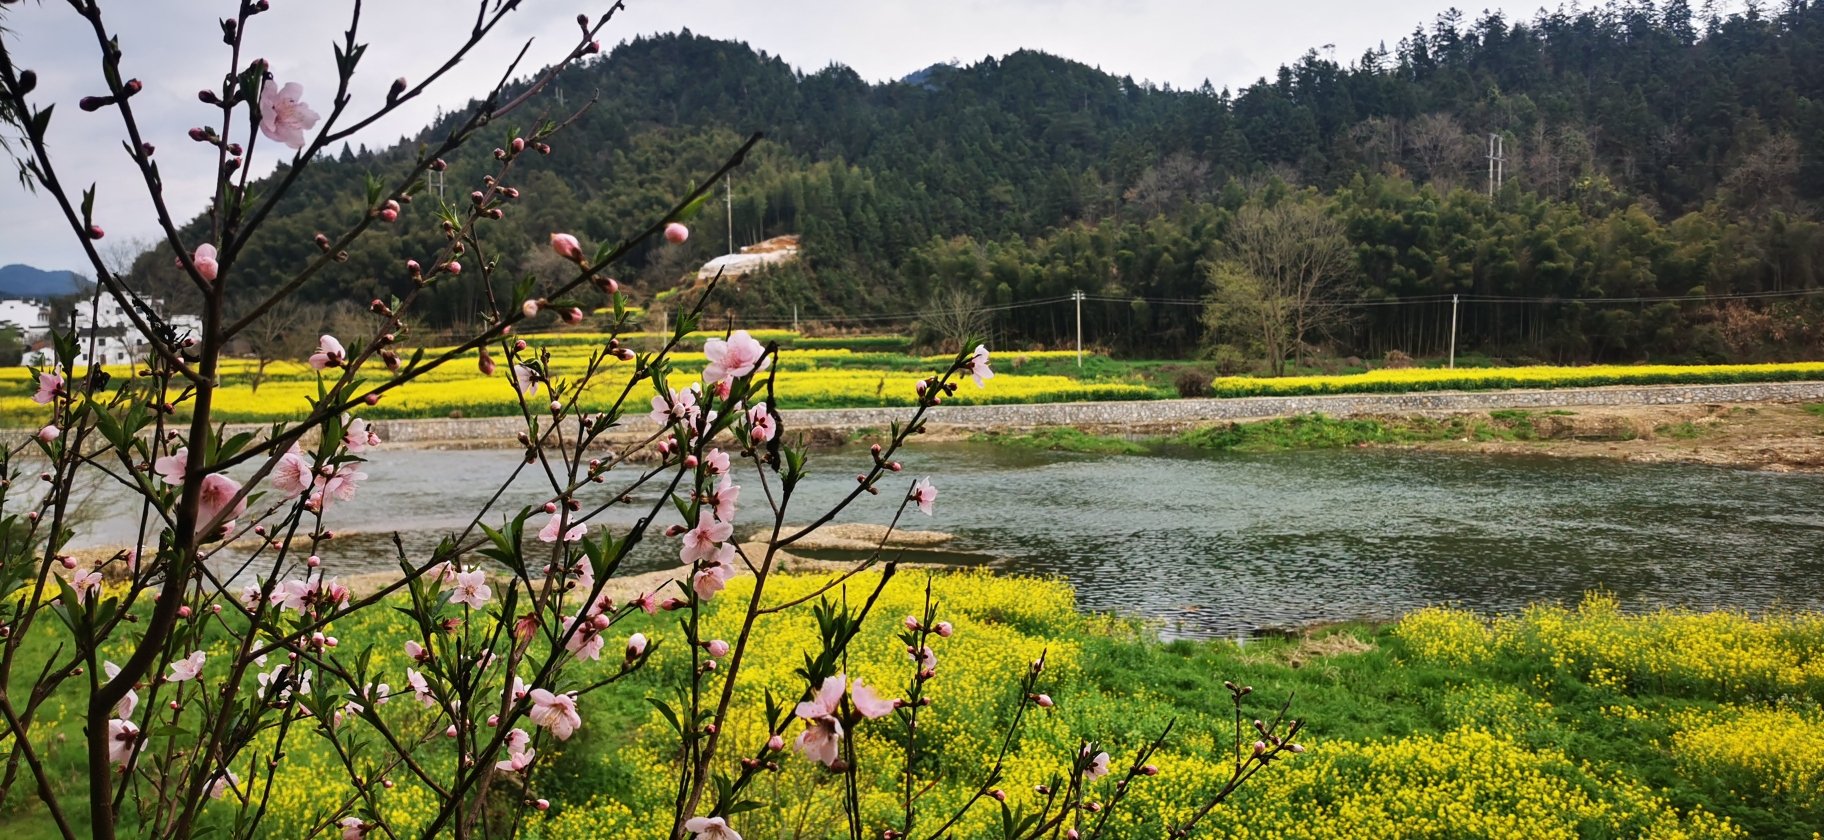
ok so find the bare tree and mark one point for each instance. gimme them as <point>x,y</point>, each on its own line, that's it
<point>288,330</point>
<point>1439,147</point>
<point>1168,185</point>
<point>954,316</point>
<point>1287,267</point>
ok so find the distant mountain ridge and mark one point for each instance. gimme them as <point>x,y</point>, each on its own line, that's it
<point>1646,151</point>
<point>24,281</point>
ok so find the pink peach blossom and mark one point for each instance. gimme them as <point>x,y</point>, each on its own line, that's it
<point>129,702</point>
<point>357,435</point>
<point>716,461</point>
<point>283,115</point>
<point>1098,767</point>
<point>556,713</point>
<point>868,702</point>
<point>472,589</point>
<point>48,386</point>
<point>420,687</point>
<point>329,353</point>
<point>821,740</point>
<point>218,491</point>
<point>760,424</point>
<point>526,380</point>
<point>291,475</point>
<point>123,737</point>
<point>736,357</point>
<point>710,828</point>
<point>171,467</point>
<point>86,582</point>
<point>727,493</point>
<point>549,532</point>
<point>352,827</point>
<point>188,668</point>
<point>700,542</point>
<point>680,405</point>
<point>519,752</point>
<point>977,366</point>
<point>586,641</point>
<point>924,494</point>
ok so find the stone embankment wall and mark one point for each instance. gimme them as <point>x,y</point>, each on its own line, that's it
<point>1167,413</point>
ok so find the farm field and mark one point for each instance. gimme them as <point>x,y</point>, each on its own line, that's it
<point>1558,722</point>
<point>865,371</point>
<point>1536,376</point>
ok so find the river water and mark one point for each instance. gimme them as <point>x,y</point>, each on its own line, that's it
<point>1226,544</point>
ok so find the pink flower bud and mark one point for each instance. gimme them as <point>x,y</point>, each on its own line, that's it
<point>567,247</point>
<point>67,561</point>
<point>183,611</point>
<point>413,268</point>
<point>519,145</point>
<point>944,629</point>
<point>450,732</point>
<point>636,645</point>
<point>775,743</point>
<point>601,621</point>
<point>717,648</point>
<point>95,232</point>
<point>911,622</point>
<point>389,215</point>
<point>1043,700</point>
<point>313,561</point>
<point>676,233</point>
<point>542,804</point>
<point>49,433</point>
<point>998,795</point>
<point>453,267</point>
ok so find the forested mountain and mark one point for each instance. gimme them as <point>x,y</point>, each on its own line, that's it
<point>1649,151</point>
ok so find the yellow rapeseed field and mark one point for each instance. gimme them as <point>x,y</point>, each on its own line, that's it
<point>1540,376</point>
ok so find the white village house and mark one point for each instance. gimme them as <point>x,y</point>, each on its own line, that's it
<point>109,335</point>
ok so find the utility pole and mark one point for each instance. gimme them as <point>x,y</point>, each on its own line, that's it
<point>1078,297</point>
<point>1453,332</point>
<point>434,179</point>
<point>1497,163</point>
<point>794,317</point>
<point>728,183</point>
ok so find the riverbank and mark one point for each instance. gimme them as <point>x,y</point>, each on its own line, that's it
<point>1772,436</point>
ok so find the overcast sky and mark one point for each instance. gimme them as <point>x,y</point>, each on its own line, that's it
<point>175,48</point>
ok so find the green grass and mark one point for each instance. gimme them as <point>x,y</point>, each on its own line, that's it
<point>1317,431</point>
<point>1064,439</point>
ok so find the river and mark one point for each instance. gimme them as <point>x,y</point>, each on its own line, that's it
<point>1227,544</point>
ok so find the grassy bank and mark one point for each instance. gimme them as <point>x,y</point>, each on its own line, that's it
<point>1580,722</point>
<point>1309,431</point>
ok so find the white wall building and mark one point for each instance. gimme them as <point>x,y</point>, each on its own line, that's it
<point>107,332</point>
<point>31,318</point>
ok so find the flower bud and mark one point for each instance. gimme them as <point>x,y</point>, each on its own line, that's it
<point>397,89</point>
<point>453,267</point>
<point>519,145</point>
<point>567,247</point>
<point>49,433</point>
<point>944,629</point>
<point>717,648</point>
<point>998,795</point>
<point>389,215</point>
<point>676,233</point>
<point>1043,700</point>
<point>636,645</point>
<point>542,804</point>
<point>95,232</point>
